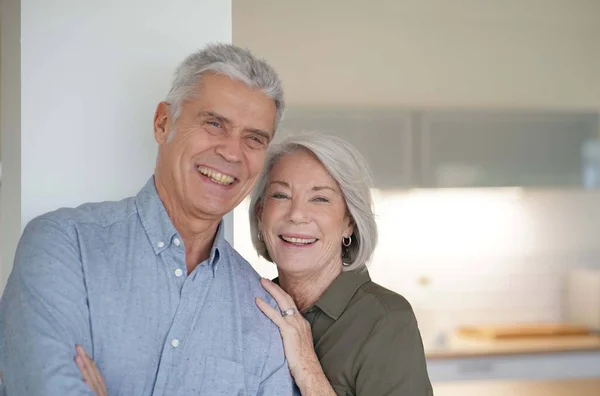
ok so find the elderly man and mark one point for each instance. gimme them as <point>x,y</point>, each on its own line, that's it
<point>148,285</point>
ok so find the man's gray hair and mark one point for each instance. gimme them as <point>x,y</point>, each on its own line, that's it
<point>349,169</point>
<point>234,62</point>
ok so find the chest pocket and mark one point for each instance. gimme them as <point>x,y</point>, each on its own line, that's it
<point>227,378</point>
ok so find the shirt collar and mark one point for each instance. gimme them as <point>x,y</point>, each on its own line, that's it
<point>159,227</point>
<point>218,247</point>
<point>337,296</point>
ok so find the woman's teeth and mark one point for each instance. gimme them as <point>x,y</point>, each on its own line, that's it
<point>301,241</point>
<point>215,176</point>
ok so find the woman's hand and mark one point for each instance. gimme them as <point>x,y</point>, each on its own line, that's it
<point>297,342</point>
<point>91,374</point>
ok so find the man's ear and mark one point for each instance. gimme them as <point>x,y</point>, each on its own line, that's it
<point>162,123</point>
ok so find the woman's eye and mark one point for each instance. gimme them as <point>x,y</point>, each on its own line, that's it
<point>279,196</point>
<point>320,199</point>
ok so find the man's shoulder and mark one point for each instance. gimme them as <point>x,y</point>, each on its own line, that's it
<point>241,265</point>
<point>244,272</point>
<point>102,214</point>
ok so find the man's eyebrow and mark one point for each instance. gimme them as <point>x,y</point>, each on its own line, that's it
<point>227,121</point>
<point>262,133</point>
<point>219,117</point>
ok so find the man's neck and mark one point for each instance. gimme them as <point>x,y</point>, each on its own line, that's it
<point>198,243</point>
<point>198,235</point>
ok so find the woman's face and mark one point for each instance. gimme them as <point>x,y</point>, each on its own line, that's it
<point>303,217</point>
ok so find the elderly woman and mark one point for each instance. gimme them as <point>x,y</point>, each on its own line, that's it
<point>343,334</point>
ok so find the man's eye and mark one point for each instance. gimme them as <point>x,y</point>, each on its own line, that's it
<point>256,141</point>
<point>214,124</point>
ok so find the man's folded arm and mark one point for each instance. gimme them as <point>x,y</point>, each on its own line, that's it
<point>44,313</point>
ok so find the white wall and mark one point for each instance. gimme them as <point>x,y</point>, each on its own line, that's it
<point>527,53</point>
<point>10,101</point>
<point>91,75</point>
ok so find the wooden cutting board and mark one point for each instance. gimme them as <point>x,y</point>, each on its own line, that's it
<point>511,332</point>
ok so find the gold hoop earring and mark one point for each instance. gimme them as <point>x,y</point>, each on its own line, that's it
<point>347,241</point>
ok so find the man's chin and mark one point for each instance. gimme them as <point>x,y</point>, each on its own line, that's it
<point>214,209</point>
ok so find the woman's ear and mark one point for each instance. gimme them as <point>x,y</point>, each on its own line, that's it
<point>349,230</point>
<point>258,210</point>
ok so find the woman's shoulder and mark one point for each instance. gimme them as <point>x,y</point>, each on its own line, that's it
<point>386,303</point>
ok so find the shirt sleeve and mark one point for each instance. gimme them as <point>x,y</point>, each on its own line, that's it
<point>43,314</point>
<point>392,361</point>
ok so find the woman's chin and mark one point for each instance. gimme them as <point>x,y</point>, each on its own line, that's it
<point>296,264</point>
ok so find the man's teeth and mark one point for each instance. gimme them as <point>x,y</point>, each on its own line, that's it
<point>215,176</point>
<point>298,240</point>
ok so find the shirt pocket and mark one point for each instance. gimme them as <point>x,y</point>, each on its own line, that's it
<point>224,377</point>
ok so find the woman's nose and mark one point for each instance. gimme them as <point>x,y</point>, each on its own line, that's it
<point>297,213</point>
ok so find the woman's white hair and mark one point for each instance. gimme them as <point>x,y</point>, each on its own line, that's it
<point>349,169</point>
<point>234,62</point>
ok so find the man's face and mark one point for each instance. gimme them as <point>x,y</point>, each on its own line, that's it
<point>210,159</point>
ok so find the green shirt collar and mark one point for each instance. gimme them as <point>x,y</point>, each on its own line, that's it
<point>337,296</point>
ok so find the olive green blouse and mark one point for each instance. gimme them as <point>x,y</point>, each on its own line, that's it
<point>367,339</point>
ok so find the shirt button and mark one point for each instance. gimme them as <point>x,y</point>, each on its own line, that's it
<point>175,343</point>
<point>178,272</point>
<point>176,241</point>
<point>160,244</point>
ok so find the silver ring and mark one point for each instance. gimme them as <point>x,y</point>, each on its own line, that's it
<point>288,312</point>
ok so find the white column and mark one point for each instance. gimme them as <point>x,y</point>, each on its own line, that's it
<point>80,83</point>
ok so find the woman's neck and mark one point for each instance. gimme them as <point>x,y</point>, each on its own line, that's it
<point>306,288</point>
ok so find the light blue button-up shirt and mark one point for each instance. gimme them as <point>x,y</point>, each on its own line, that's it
<point>112,277</point>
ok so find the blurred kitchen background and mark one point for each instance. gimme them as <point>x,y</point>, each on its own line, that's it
<point>480,122</point>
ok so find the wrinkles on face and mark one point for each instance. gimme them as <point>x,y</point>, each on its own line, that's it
<point>303,217</point>
<point>211,147</point>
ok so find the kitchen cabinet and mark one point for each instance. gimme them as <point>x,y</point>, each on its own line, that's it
<point>441,148</point>
<point>500,149</point>
<point>563,365</point>
<point>383,137</point>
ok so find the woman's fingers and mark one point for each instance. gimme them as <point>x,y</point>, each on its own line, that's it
<point>271,312</point>
<point>283,299</point>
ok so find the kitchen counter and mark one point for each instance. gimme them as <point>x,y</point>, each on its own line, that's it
<point>458,346</point>
<point>583,387</point>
